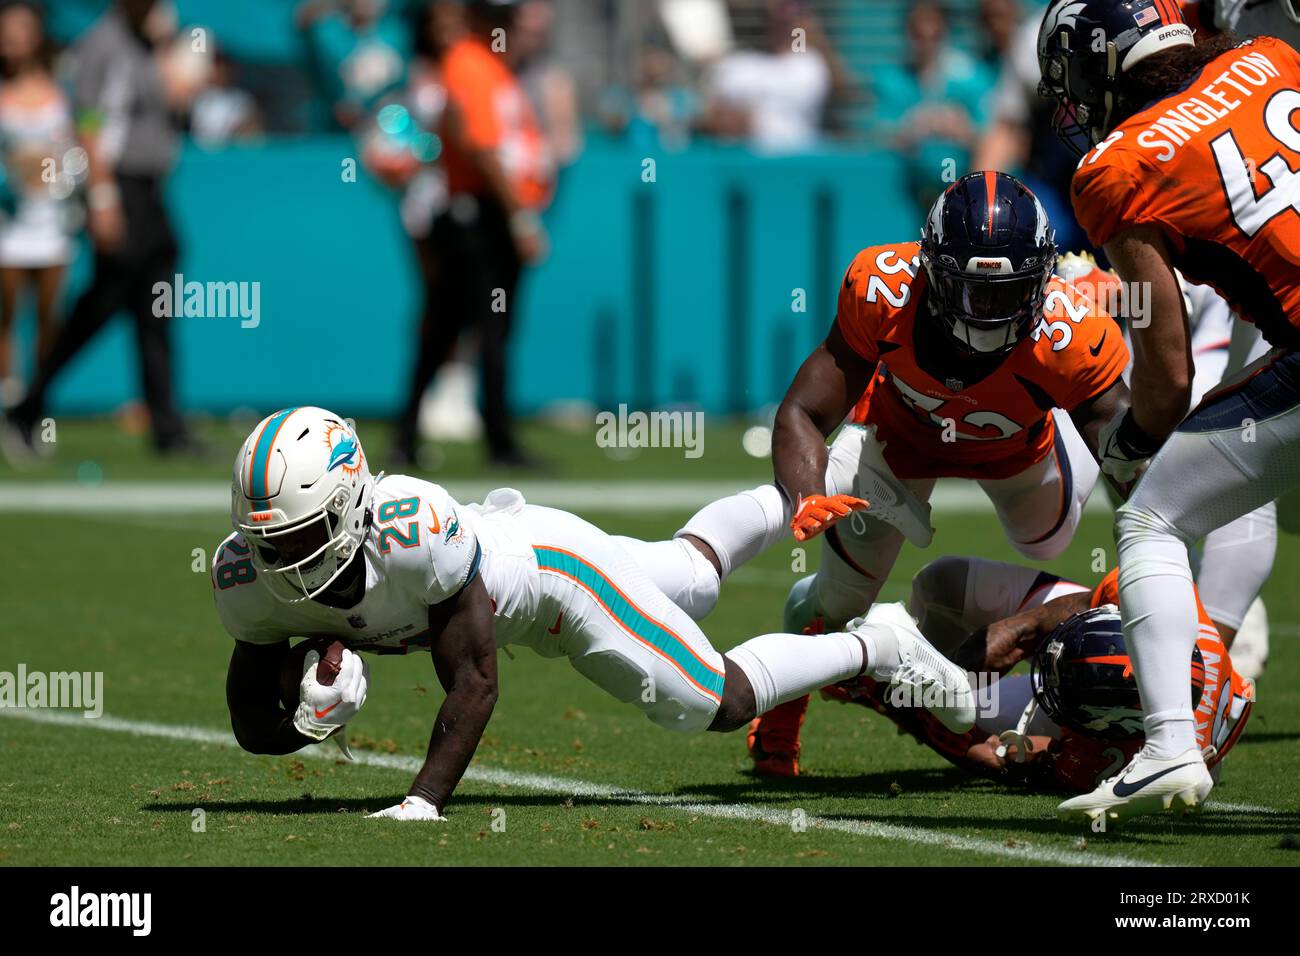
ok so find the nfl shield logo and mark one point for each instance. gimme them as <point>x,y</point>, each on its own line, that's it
<point>357,621</point>
<point>954,384</point>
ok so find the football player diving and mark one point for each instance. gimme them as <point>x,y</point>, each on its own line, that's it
<point>1172,129</point>
<point>392,564</point>
<point>1076,717</point>
<point>961,356</point>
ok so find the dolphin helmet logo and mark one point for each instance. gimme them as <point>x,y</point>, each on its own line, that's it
<point>345,451</point>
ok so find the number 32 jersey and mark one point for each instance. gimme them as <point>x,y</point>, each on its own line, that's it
<point>995,427</point>
<point>1214,168</point>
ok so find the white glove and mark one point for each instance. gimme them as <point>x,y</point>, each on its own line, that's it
<point>1123,447</point>
<point>323,710</point>
<point>412,808</point>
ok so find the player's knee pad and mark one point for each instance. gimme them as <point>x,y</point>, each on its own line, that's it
<point>700,595</point>
<point>938,599</point>
<point>1051,547</point>
<point>1149,547</point>
<point>801,605</point>
<point>838,602</point>
<point>1135,523</point>
<point>942,582</point>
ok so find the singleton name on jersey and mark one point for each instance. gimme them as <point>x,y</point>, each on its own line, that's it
<point>1194,114</point>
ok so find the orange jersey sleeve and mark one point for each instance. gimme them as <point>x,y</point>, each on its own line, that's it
<point>1111,192</point>
<point>471,79</point>
<point>1212,167</point>
<point>1087,354</point>
<point>877,286</point>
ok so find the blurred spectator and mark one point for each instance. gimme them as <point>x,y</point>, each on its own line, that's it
<point>772,98</point>
<point>659,110</point>
<point>400,150</point>
<point>549,85</point>
<point>411,167</point>
<point>359,52</point>
<point>998,20</point>
<point>37,143</point>
<point>223,112</point>
<point>932,107</point>
<point>1020,138</point>
<point>500,178</point>
<point>125,126</point>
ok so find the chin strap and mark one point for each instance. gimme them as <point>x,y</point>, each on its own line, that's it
<point>1019,738</point>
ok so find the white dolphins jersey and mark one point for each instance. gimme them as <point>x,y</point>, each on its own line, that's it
<point>421,549</point>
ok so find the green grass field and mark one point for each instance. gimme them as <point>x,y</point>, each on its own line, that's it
<point>565,775</point>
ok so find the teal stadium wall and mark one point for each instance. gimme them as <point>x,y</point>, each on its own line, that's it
<point>656,293</point>
<point>680,290</point>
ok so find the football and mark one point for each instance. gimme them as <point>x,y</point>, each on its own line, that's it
<point>291,670</point>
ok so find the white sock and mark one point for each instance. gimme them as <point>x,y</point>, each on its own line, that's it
<point>1160,627</point>
<point>781,667</point>
<point>1169,734</point>
<point>741,526</point>
<point>680,570</point>
<point>882,646</point>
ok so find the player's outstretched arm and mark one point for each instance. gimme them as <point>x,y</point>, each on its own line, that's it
<point>1003,644</point>
<point>1162,353</point>
<point>826,387</point>
<point>1093,415</point>
<point>465,657</point>
<point>260,723</point>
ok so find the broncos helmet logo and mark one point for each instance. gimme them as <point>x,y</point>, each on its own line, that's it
<point>1063,14</point>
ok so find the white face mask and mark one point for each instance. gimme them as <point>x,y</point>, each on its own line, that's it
<point>984,340</point>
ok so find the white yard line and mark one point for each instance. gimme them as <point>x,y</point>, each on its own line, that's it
<point>684,803</point>
<point>164,499</point>
<point>1237,807</point>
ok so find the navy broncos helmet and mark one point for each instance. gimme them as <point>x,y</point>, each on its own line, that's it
<point>1084,47</point>
<point>988,251</point>
<point>1083,678</point>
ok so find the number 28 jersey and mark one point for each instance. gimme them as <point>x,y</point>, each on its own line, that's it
<point>992,428</point>
<point>421,548</point>
<point>1214,168</point>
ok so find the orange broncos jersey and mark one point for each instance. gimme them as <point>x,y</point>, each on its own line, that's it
<point>1226,698</point>
<point>1214,168</point>
<point>1001,424</point>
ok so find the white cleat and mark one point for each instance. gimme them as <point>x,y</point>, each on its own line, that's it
<point>889,499</point>
<point>917,671</point>
<point>1146,785</point>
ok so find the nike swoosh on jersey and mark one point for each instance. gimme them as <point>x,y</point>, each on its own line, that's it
<point>1096,349</point>
<point>558,621</point>
<point>1125,788</point>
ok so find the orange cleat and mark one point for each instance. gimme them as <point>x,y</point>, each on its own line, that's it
<point>774,739</point>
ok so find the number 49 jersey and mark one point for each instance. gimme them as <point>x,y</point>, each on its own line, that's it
<point>1214,168</point>
<point>942,426</point>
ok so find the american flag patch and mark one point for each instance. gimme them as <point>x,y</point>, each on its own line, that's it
<point>1143,17</point>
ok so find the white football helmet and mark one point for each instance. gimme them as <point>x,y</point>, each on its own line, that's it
<point>300,495</point>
